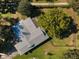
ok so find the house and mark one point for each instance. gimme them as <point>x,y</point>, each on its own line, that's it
<point>30,36</point>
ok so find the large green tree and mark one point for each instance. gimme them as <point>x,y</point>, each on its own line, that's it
<point>24,7</point>
<point>6,34</point>
<point>56,23</point>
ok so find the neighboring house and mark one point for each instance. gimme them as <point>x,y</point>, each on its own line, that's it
<point>30,36</point>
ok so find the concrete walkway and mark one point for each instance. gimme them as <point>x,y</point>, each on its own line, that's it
<point>50,4</point>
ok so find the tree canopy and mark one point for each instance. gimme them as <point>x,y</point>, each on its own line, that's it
<point>24,7</point>
<point>56,23</point>
<point>6,34</point>
<point>71,54</point>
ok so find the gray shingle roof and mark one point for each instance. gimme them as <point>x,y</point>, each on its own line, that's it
<point>35,36</point>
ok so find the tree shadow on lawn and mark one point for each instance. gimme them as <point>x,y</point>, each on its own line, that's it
<point>35,11</point>
<point>71,29</point>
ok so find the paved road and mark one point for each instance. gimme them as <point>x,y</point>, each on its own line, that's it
<point>50,4</point>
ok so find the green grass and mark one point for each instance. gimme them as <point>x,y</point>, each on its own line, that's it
<point>61,42</point>
<point>14,15</point>
<point>39,53</point>
<point>7,15</point>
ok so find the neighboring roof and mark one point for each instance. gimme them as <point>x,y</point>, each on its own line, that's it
<point>34,38</point>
